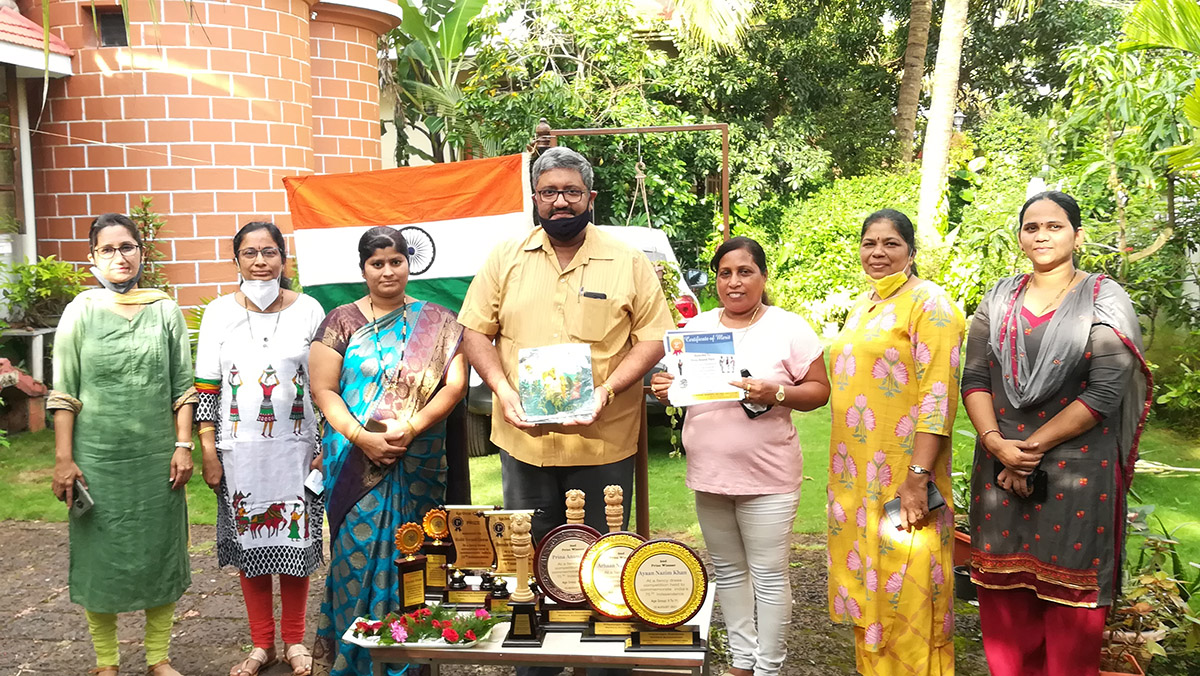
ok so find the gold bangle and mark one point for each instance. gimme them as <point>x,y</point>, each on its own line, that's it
<point>984,435</point>
<point>354,435</point>
<point>209,428</point>
<point>411,428</point>
<point>611,393</point>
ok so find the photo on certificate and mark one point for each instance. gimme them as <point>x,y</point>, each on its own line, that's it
<point>703,363</point>
<point>555,382</point>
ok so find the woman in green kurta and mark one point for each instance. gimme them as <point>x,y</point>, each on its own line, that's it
<point>122,404</point>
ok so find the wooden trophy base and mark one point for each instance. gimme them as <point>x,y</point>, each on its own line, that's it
<point>437,571</point>
<point>682,638</point>
<point>558,617</point>
<point>525,629</point>
<point>604,629</point>
<point>411,574</point>
<point>470,598</point>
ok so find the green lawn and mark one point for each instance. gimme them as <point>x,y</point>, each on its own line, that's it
<point>25,473</point>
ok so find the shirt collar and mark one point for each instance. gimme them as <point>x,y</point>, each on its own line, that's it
<point>591,248</point>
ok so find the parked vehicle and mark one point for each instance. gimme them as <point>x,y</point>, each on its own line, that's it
<point>658,249</point>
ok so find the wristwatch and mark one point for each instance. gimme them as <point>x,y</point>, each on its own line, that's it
<point>917,469</point>
<point>185,444</point>
<point>779,395</point>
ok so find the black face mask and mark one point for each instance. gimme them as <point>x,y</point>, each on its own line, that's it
<point>565,229</point>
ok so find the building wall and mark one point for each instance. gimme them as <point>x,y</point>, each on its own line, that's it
<point>204,113</point>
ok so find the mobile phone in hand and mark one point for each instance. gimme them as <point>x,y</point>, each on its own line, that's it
<point>81,501</point>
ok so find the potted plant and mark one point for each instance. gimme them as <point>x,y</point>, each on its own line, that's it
<point>37,292</point>
<point>1152,616</point>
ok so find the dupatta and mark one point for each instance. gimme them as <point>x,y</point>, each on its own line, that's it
<point>1096,300</point>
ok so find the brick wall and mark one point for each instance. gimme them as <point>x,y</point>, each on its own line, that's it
<point>345,99</point>
<point>205,114</point>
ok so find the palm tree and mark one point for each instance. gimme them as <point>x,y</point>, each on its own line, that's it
<point>716,23</point>
<point>941,120</point>
<point>914,71</point>
<point>1171,24</point>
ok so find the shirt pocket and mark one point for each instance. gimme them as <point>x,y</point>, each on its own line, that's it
<point>593,318</point>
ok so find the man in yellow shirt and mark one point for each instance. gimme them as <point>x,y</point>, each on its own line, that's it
<point>566,282</point>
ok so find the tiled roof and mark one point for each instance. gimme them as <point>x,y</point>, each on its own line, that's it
<point>18,30</point>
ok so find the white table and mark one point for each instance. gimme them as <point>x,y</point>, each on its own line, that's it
<point>37,348</point>
<point>560,649</point>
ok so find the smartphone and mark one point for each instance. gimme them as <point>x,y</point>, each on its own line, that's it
<point>1038,480</point>
<point>752,410</point>
<point>892,507</point>
<point>81,502</point>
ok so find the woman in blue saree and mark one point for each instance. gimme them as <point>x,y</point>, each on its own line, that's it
<point>392,359</point>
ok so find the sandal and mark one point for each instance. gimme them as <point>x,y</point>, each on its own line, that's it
<point>163,668</point>
<point>110,670</point>
<point>297,651</point>
<point>262,660</point>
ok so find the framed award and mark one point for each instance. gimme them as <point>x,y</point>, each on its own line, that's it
<point>600,573</point>
<point>558,559</point>
<point>664,583</point>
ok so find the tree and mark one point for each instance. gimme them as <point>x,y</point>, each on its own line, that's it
<point>1171,24</point>
<point>941,119</point>
<point>914,72</point>
<point>716,24</point>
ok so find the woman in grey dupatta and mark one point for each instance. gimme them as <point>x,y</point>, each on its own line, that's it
<point>1058,391</point>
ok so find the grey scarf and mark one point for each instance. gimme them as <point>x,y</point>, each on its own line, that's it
<point>1097,300</point>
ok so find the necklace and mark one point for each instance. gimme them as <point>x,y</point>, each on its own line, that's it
<point>266,339</point>
<point>721,318</point>
<point>403,330</point>
<point>1059,294</point>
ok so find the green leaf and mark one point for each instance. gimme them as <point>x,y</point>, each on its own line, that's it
<point>452,33</point>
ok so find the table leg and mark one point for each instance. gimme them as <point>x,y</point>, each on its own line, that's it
<point>37,347</point>
<point>435,669</point>
<point>378,668</point>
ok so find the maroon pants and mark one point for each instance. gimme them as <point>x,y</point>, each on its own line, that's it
<point>1026,636</point>
<point>293,601</point>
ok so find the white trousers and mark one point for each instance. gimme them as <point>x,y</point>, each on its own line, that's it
<point>749,538</point>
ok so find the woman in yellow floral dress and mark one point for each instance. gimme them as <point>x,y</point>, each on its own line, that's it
<point>895,393</point>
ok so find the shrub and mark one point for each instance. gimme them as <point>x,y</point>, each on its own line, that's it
<point>38,292</point>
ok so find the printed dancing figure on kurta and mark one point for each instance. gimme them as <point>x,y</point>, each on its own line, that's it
<point>266,412</point>
<point>297,413</point>
<point>235,381</point>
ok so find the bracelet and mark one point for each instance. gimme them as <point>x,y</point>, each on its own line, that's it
<point>917,469</point>
<point>984,435</point>
<point>611,393</point>
<point>353,438</point>
<point>208,428</point>
<point>185,444</point>
<point>411,429</point>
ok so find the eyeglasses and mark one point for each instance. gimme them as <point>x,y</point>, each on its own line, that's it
<point>269,253</point>
<point>107,252</point>
<point>550,196</point>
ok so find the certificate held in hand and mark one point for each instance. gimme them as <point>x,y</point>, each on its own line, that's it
<point>703,363</point>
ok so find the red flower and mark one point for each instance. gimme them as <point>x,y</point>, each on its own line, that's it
<point>1103,497</point>
<point>1100,530</point>
<point>1059,496</point>
<point>1079,514</point>
<point>1057,527</point>
<point>1104,463</point>
<point>450,635</point>
<point>1062,464</point>
<point>1083,481</point>
<point>1083,448</point>
<point>470,635</point>
<point>1021,427</point>
<point>1078,546</point>
<point>1054,558</point>
<point>1037,537</point>
<point>1004,533</point>
<point>1026,517</point>
<point>1005,503</point>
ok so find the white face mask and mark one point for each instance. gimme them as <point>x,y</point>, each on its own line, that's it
<point>261,292</point>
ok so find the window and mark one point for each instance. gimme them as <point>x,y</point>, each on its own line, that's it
<point>110,25</point>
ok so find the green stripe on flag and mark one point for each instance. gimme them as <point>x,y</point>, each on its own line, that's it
<point>446,291</point>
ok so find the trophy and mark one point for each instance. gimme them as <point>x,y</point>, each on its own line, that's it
<point>664,584</point>
<point>600,573</point>
<point>556,568</point>
<point>410,568</point>
<point>438,554</point>
<point>525,631</point>
<point>497,601</point>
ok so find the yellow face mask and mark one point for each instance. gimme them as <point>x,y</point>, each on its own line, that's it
<point>889,284</point>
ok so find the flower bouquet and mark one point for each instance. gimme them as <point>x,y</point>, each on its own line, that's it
<point>435,625</point>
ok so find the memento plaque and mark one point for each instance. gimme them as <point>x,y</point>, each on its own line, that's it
<point>469,532</point>
<point>438,554</point>
<point>664,583</point>
<point>498,527</point>
<point>600,573</point>
<point>558,560</point>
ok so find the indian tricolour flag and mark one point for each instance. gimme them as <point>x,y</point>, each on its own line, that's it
<point>452,215</point>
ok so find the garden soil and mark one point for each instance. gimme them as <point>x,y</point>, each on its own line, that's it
<point>43,633</point>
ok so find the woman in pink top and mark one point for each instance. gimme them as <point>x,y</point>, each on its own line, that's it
<point>746,471</point>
